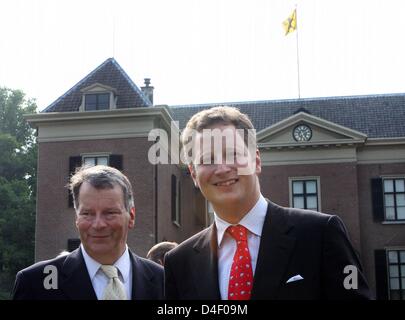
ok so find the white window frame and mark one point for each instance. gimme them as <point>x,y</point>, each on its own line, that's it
<point>318,188</point>
<point>388,267</point>
<point>95,155</point>
<point>389,177</point>
<point>98,88</point>
<point>98,93</point>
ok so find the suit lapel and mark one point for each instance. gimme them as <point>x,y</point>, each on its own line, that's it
<point>275,249</point>
<point>142,285</point>
<point>204,265</point>
<point>75,280</point>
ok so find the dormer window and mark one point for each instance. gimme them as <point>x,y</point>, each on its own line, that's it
<point>98,97</point>
<point>97,101</point>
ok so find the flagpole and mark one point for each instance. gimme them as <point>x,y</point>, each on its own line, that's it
<point>298,60</point>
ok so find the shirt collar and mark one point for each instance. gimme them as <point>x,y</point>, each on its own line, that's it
<point>253,220</point>
<point>123,264</point>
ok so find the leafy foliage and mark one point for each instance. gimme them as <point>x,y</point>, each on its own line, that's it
<point>18,157</point>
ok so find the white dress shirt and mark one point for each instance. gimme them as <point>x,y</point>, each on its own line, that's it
<point>253,221</point>
<point>98,278</point>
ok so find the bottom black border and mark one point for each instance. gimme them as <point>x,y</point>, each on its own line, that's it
<point>201,310</point>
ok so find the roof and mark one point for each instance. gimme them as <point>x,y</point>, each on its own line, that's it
<point>110,74</point>
<point>377,116</point>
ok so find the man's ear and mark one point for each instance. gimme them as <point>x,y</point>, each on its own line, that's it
<point>131,222</point>
<point>193,174</point>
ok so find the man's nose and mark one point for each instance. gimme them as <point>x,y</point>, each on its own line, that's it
<point>99,221</point>
<point>223,168</point>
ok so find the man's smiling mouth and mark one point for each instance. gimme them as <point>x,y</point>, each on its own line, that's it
<point>226,183</point>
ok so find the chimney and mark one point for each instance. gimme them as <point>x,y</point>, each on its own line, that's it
<point>147,90</point>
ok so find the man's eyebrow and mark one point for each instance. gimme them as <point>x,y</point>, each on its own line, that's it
<point>112,209</point>
<point>85,208</point>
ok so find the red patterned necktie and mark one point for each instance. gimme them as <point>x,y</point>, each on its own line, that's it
<point>241,276</point>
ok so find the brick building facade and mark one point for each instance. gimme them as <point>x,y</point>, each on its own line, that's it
<point>349,162</point>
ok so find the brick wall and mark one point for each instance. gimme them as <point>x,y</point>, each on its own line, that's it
<point>338,188</point>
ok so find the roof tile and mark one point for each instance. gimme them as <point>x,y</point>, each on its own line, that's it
<point>108,73</point>
<point>377,116</point>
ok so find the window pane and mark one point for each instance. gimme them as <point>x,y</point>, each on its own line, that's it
<point>102,160</point>
<point>311,186</point>
<point>390,213</point>
<point>298,187</point>
<point>401,213</point>
<point>403,283</point>
<point>90,102</point>
<point>394,284</point>
<point>89,161</point>
<point>389,200</point>
<point>402,258</point>
<point>400,199</point>
<point>299,202</point>
<point>312,203</point>
<point>388,185</point>
<point>394,271</point>
<point>103,101</point>
<point>392,257</point>
<point>403,272</point>
<point>399,185</point>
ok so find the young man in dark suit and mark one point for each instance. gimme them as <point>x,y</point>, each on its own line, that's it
<point>255,249</point>
<point>102,267</point>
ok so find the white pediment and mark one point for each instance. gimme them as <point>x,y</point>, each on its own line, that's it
<point>98,87</point>
<point>324,133</point>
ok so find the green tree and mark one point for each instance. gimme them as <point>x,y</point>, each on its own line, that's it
<point>13,105</point>
<point>18,156</point>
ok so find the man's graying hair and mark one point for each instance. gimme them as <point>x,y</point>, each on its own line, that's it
<point>101,177</point>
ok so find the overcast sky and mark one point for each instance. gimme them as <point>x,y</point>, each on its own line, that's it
<point>205,51</point>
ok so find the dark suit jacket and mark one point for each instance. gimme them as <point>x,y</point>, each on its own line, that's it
<point>74,282</point>
<point>293,242</point>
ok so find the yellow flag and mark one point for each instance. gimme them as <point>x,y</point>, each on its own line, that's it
<point>290,24</point>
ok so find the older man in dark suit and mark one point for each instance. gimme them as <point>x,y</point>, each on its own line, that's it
<point>103,267</point>
<point>255,249</point>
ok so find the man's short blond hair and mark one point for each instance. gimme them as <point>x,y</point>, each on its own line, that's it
<point>218,115</point>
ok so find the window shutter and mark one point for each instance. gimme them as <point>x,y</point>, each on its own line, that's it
<point>74,162</point>
<point>377,198</point>
<point>73,244</point>
<point>178,201</point>
<point>115,161</point>
<point>173,196</point>
<point>381,276</point>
